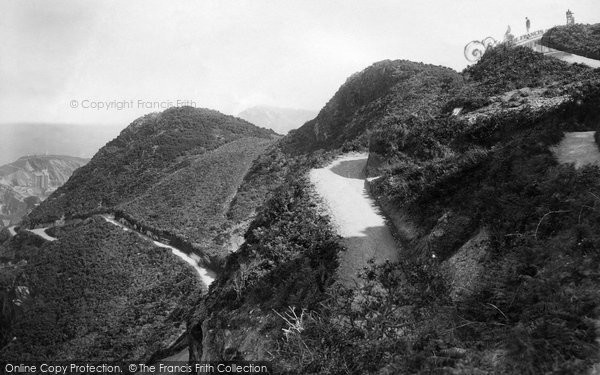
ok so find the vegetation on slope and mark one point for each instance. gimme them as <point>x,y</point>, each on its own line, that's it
<point>289,259</point>
<point>579,39</point>
<point>506,68</point>
<point>150,149</point>
<point>535,306</point>
<point>99,293</point>
<point>488,168</point>
<point>382,94</point>
<point>490,82</point>
<point>192,202</point>
<point>533,310</point>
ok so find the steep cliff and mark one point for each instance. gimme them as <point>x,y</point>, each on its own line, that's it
<point>35,177</point>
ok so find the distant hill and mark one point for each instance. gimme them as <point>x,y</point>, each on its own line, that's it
<point>83,141</point>
<point>281,120</point>
<point>18,182</point>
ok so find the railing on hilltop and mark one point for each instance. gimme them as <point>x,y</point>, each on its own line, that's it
<point>475,49</point>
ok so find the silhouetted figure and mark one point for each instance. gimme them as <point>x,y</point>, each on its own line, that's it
<point>508,37</point>
<point>570,18</point>
<point>527,24</point>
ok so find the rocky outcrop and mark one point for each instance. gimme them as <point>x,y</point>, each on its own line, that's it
<point>22,172</point>
<point>31,179</point>
<point>243,334</point>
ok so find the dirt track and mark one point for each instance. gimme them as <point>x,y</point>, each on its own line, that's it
<point>341,186</point>
<point>578,148</point>
<point>42,233</point>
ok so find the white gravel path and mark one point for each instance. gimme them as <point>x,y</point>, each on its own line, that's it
<point>42,233</point>
<point>204,274</point>
<point>341,186</point>
<point>578,148</point>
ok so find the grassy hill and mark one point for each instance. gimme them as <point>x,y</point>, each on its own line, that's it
<point>192,202</point>
<point>148,150</point>
<point>380,95</point>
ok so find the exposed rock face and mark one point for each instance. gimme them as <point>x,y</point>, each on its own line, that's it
<point>32,176</point>
<point>22,172</point>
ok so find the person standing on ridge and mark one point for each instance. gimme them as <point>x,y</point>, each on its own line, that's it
<point>508,37</point>
<point>527,24</point>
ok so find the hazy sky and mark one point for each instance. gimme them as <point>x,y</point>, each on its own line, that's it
<point>229,55</point>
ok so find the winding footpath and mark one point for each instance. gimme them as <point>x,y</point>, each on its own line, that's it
<point>578,148</point>
<point>342,188</point>
<point>204,274</point>
<point>42,233</point>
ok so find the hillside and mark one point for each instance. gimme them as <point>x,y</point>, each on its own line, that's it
<point>149,149</point>
<point>192,203</point>
<point>173,176</point>
<point>496,240</point>
<point>497,271</point>
<point>160,156</point>
<point>98,293</point>
<point>281,120</point>
<point>19,191</point>
<point>579,39</point>
<point>376,97</point>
